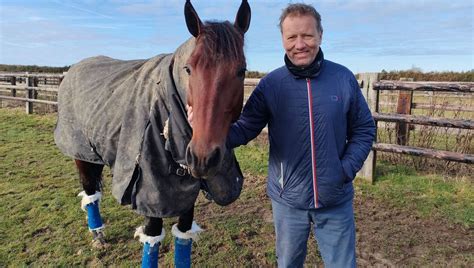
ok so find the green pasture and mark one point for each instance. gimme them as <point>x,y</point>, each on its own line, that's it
<point>41,223</point>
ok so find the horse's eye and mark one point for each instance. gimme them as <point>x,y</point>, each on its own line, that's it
<point>187,69</point>
<point>241,72</point>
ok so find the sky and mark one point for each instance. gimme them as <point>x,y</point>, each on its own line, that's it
<point>363,35</point>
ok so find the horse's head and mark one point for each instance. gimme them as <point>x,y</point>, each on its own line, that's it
<point>216,70</point>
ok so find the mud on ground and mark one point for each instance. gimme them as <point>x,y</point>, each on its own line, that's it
<point>386,236</point>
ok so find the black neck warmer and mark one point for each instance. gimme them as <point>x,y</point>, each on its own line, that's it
<point>309,71</point>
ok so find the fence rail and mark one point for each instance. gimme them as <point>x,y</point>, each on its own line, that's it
<point>425,120</point>
<point>417,151</point>
<point>428,106</point>
<point>7,87</point>
<point>424,86</point>
<point>28,100</point>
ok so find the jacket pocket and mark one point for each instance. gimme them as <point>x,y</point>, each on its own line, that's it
<point>341,175</point>
<point>346,178</point>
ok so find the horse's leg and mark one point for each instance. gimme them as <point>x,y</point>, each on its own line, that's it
<point>151,235</point>
<point>185,231</point>
<point>91,175</point>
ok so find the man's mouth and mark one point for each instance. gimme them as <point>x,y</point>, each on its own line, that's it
<point>301,54</point>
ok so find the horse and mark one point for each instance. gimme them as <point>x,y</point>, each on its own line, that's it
<point>131,116</point>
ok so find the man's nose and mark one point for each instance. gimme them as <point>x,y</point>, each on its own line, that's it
<point>300,44</point>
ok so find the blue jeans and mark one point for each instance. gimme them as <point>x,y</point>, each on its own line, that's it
<point>333,228</point>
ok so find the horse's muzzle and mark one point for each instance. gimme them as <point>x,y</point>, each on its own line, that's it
<point>203,165</point>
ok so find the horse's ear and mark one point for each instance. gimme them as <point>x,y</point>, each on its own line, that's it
<point>242,20</point>
<point>192,19</point>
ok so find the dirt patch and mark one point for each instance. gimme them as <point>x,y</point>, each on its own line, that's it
<point>395,237</point>
<point>386,236</point>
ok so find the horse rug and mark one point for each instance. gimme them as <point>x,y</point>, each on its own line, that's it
<point>114,112</point>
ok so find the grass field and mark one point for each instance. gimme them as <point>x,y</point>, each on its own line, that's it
<point>41,223</point>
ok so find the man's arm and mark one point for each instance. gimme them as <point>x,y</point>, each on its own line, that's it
<point>360,133</point>
<point>253,119</point>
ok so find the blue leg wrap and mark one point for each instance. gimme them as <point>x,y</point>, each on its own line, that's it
<point>150,255</point>
<point>93,216</point>
<point>182,252</point>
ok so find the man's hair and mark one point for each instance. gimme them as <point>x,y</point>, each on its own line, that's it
<point>300,9</point>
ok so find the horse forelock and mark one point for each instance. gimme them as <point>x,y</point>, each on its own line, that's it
<point>219,42</point>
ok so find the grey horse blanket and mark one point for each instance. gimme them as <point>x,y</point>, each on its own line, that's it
<point>113,112</point>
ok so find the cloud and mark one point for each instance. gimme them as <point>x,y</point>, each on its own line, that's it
<point>157,7</point>
<point>83,9</point>
<point>373,7</point>
<point>21,45</point>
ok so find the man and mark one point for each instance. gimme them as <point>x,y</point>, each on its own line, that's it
<point>320,132</point>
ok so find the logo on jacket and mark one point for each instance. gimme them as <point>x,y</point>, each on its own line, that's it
<point>335,98</point>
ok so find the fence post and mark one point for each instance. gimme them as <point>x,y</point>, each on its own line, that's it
<point>13,83</point>
<point>405,98</point>
<point>372,97</point>
<point>35,90</point>
<point>31,93</point>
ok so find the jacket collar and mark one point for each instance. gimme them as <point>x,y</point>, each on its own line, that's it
<point>310,71</point>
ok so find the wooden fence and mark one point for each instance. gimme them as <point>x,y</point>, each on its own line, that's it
<point>370,85</point>
<point>31,86</point>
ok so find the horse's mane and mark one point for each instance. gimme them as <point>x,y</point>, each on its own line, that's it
<point>221,41</point>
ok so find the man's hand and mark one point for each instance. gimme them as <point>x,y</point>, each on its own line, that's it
<point>190,114</point>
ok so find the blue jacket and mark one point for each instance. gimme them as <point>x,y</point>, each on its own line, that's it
<point>320,133</point>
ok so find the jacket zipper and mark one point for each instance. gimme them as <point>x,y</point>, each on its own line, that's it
<point>281,181</point>
<point>313,143</point>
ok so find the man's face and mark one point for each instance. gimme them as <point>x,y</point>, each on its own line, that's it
<point>301,39</point>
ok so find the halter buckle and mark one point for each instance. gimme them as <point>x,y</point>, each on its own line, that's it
<point>181,172</point>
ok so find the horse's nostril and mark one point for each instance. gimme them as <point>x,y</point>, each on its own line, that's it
<point>214,158</point>
<point>202,167</point>
<point>189,156</point>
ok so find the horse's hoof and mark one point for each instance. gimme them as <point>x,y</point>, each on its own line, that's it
<point>98,240</point>
<point>99,244</point>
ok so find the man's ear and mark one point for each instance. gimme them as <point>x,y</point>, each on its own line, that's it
<point>192,19</point>
<point>242,20</point>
